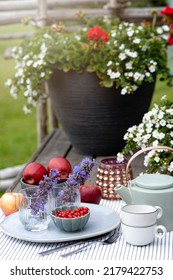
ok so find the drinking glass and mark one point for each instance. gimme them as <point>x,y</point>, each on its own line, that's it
<point>34,210</point>
<point>63,195</point>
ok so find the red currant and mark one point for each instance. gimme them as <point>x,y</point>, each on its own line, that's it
<point>78,212</point>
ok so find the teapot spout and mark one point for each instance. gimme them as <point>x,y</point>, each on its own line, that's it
<point>124,193</point>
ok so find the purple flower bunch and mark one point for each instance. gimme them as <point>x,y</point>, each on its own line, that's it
<point>48,182</point>
<point>41,195</point>
<point>80,174</point>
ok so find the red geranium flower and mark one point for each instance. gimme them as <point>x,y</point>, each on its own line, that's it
<point>167,11</point>
<point>170,40</point>
<point>97,33</point>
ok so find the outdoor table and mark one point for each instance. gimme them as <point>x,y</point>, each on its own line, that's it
<point>12,248</point>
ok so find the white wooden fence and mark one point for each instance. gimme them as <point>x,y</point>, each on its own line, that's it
<point>14,11</point>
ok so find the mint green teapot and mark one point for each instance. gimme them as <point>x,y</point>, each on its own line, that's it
<point>153,189</point>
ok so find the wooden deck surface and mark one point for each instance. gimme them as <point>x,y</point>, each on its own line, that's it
<point>57,144</point>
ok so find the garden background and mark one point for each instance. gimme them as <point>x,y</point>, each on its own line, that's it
<point>18,133</point>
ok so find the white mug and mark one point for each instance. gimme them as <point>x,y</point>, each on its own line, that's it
<point>140,215</point>
<point>140,236</point>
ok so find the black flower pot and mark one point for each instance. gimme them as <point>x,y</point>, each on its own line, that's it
<point>96,118</point>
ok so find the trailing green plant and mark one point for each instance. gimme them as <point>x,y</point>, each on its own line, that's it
<point>121,54</point>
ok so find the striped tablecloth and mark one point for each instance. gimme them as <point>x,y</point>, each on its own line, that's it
<point>160,249</point>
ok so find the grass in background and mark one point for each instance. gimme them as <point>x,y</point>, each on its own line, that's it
<point>18,136</point>
<point>161,89</point>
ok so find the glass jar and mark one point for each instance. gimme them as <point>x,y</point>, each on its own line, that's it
<point>34,210</point>
<point>63,195</point>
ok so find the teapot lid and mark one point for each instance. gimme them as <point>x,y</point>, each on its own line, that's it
<point>154,181</point>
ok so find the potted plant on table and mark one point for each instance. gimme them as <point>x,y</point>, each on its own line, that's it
<point>98,77</point>
<point>156,129</point>
<point>156,126</point>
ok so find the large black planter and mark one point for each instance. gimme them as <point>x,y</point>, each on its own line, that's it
<point>96,118</point>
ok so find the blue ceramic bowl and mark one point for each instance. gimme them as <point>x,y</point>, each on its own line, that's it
<point>70,224</point>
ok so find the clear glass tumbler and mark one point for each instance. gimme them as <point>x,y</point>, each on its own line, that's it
<point>34,209</point>
<point>63,195</point>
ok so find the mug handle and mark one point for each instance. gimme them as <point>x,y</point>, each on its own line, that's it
<point>159,211</point>
<point>160,231</point>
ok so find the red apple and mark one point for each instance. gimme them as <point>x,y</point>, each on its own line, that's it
<point>90,194</point>
<point>33,173</point>
<point>63,166</point>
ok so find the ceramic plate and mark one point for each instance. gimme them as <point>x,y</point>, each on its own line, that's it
<point>102,220</point>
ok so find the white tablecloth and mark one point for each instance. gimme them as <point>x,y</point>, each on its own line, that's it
<point>159,249</point>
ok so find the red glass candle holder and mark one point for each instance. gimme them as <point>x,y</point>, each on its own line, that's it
<point>111,173</point>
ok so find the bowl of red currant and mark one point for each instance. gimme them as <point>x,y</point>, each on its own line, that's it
<point>70,218</point>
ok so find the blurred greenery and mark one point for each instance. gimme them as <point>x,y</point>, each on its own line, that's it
<point>151,3</point>
<point>18,136</point>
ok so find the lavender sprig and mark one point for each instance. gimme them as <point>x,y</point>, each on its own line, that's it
<point>80,174</point>
<point>83,171</point>
<point>48,182</point>
<point>45,186</point>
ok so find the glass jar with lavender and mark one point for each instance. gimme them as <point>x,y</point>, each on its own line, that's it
<point>64,195</point>
<point>34,209</point>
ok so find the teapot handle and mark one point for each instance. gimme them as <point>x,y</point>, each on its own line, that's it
<point>145,150</point>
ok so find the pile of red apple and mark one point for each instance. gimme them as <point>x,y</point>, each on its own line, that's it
<point>35,171</point>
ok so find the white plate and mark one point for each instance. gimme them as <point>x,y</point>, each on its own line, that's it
<point>102,220</point>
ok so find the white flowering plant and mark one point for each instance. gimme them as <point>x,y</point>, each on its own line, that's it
<point>156,129</point>
<point>121,54</point>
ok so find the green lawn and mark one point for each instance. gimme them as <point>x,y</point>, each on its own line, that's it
<point>160,90</point>
<point>18,138</point>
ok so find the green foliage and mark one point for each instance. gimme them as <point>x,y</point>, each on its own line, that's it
<point>156,129</point>
<point>161,89</point>
<point>121,54</point>
<point>151,3</point>
<point>18,136</point>
<point>18,139</point>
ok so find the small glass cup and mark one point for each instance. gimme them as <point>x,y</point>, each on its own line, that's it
<point>63,195</point>
<point>34,210</point>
